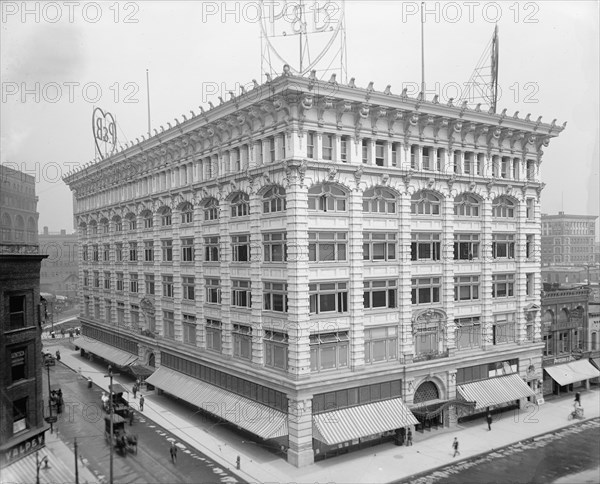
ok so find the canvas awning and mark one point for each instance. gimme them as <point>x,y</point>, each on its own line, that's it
<point>494,391</point>
<point>572,372</point>
<point>362,420</point>
<point>142,371</point>
<point>109,353</point>
<point>261,420</point>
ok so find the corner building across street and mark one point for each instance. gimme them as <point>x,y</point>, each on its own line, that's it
<point>323,265</point>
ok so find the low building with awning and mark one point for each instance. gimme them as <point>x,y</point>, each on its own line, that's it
<point>496,391</point>
<point>264,421</point>
<point>105,351</point>
<point>572,372</point>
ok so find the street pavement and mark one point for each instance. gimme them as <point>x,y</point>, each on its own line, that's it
<point>380,464</point>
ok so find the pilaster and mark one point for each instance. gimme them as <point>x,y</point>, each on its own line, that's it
<point>356,285</point>
<point>486,273</point>
<point>447,255</point>
<point>404,285</point>
<point>300,451</point>
<point>225,275</point>
<point>256,257</point>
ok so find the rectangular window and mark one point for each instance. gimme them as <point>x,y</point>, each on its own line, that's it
<point>276,350</point>
<point>241,294</point>
<point>327,147</point>
<point>167,250</point>
<point>84,252</point>
<point>425,247</point>
<point>425,290</point>
<point>214,335</point>
<point>468,333</point>
<point>95,253</point>
<point>275,247</point>
<point>18,364</point>
<point>135,315</point>
<point>365,150</point>
<point>503,329</point>
<point>529,246</point>
<point>503,285</point>
<point>96,279</point>
<point>379,294</point>
<point>120,282</point>
<point>275,297</point>
<point>329,351</point>
<point>503,246</point>
<point>189,329</point>
<point>107,280</point>
<point>213,291</point>
<point>241,248</point>
<point>133,283</point>
<point>133,251</point>
<point>148,251</point>
<point>548,345</point>
<point>466,288</point>
<point>187,283</point>
<point>530,209</point>
<point>466,246</point>
<point>108,311</point>
<point>379,153</point>
<point>19,415</point>
<point>167,286</point>
<point>379,246</point>
<point>395,152</point>
<point>381,344</point>
<point>149,283</point>
<point>426,165</point>
<point>169,324</point>
<point>187,250</point>
<point>120,313</point>
<point>106,252</point>
<point>310,144</point>
<point>344,149</point>
<point>86,278</point>
<point>119,251</point>
<point>211,249</point>
<point>530,284</point>
<point>327,246</point>
<point>330,297</point>
<point>242,341</point>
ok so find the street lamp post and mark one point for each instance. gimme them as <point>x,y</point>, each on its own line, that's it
<point>50,417</point>
<point>38,464</point>
<point>110,406</point>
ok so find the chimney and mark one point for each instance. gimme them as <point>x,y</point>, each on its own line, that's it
<point>63,232</point>
<point>45,230</point>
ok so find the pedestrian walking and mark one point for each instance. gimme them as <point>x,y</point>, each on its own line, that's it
<point>141,403</point>
<point>62,332</point>
<point>489,420</point>
<point>455,447</point>
<point>131,414</point>
<point>578,399</point>
<point>173,452</point>
<point>409,438</point>
<point>134,389</point>
<point>57,355</point>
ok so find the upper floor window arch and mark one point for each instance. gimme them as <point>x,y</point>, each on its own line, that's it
<point>379,200</point>
<point>503,207</point>
<point>274,199</point>
<point>240,205</point>
<point>187,212</point>
<point>467,205</point>
<point>326,198</point>
<point>425,202</point>
<point>211,209</point>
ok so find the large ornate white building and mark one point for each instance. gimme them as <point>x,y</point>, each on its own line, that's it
<point>321,264</point>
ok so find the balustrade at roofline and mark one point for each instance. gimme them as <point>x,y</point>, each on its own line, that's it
<point>277,98</point>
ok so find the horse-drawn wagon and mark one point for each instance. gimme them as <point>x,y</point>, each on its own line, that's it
<point>122,441</point>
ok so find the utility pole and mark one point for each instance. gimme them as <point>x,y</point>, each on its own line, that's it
<point>50,419</point>
<point>76,463</point>
<point>110,406</point>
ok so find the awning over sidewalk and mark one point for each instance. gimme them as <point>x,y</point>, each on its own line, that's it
<point>261,420</point>
<point>24,470</point>
<point>487,393</point>
<point>573,371</point>
<point>109,353</point>
<point>142,371</point>
<point>354,422</point>
<point>595,362</point>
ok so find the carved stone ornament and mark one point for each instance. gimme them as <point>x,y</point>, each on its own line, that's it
<point>331,174</point>
<point>358,175</point>
<point>385,178</point>
<point>539,191</point>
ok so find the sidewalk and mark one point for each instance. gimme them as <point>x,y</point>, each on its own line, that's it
<point>380,464</point>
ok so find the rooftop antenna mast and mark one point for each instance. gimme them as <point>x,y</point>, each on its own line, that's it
<point>320,28</point>
<point>482,86</point>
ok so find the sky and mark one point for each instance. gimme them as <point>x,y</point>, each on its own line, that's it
<point>60,60</point>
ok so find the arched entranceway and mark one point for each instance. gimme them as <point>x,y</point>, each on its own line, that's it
<point>428,407</point>
<point>151,360</point>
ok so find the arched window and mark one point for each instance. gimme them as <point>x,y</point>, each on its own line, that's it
<point>379,200</point>
<point>274,200</point>
<point>326,198</point>
<point>547,317</point>
<point>166,216</point>
<point>187,213</point>
<point>19,229</point>
<point>131,222</point>
<point>425,203</point>
<point>240,205</point>
<point>94,227</point>
<point>563,315</point>
<point>148,219</point>
<point>118,223</point>
<point>503,207</point>
<point>466,205</point>
<point>211,209</point>
<point>104,226</point>
<point>426,391</point>
<point>6,227</point>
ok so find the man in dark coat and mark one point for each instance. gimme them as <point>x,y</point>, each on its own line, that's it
<point>489,420</point>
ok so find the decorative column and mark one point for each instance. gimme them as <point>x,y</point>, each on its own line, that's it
<point>486,273</point>
<point>225,254</point>
<point>404,285</point>
<point>300,451</point>
<point>447,256</point>
<point>520,272</point>
<point>256,259</point>
<point>356,285</point>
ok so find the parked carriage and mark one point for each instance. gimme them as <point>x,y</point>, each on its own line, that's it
<point>120,404</point>
<point>122,441</point>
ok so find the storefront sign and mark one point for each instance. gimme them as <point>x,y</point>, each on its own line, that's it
<point>562,359</point>
<point>33,443</point>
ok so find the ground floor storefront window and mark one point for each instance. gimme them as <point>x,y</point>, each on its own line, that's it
<point>323,451</point>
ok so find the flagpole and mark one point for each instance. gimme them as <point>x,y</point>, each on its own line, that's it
<point>423,49</point>
<point>148,97</point>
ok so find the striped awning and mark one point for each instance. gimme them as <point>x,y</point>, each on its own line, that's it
<point>573,371</point>
<point>24,470</point>
<point>354,422</point>
<point>261,420</point>
<point>108,352</point>
<point>487,393</point>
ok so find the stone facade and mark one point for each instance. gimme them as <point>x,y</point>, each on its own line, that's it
<point>370,229</point>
